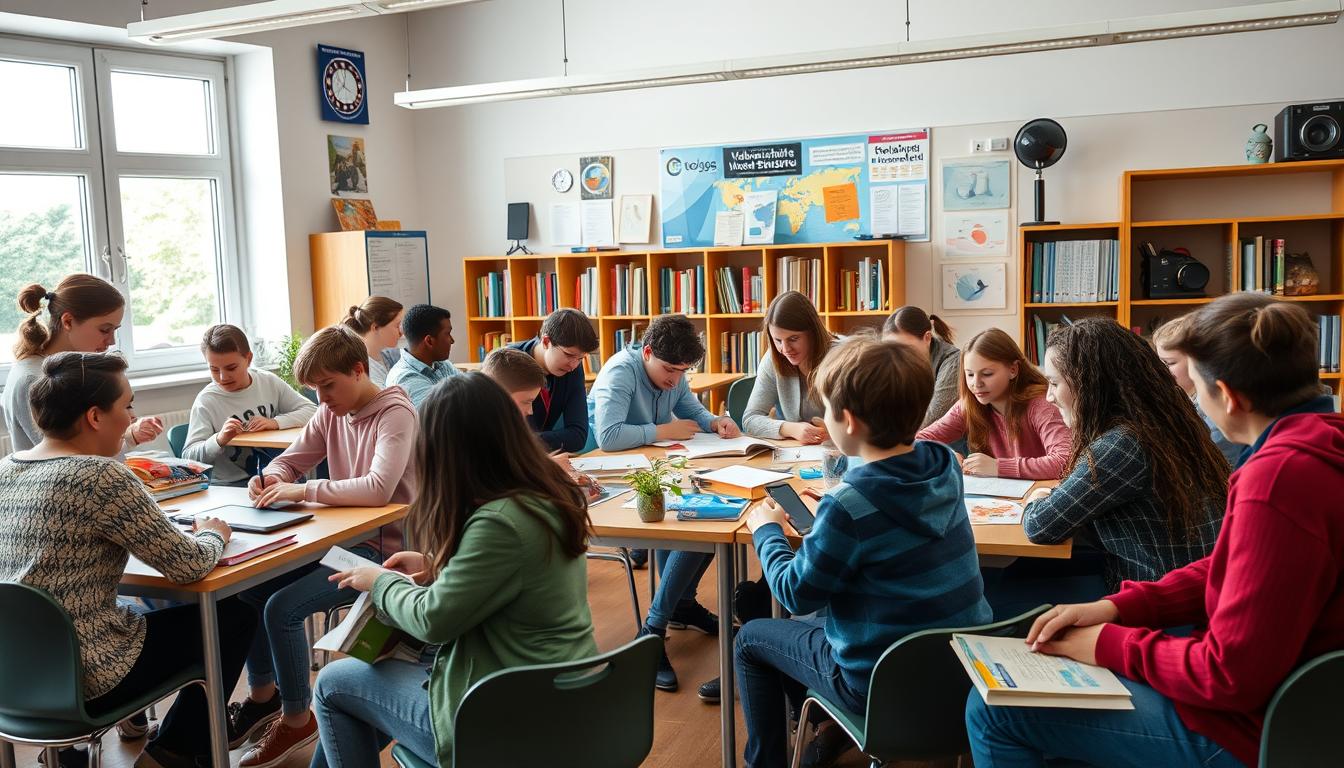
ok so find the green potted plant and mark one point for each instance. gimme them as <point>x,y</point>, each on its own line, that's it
<point>650,483</point>
<point>289,350</point>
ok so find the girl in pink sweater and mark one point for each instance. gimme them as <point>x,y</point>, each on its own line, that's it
<point>1010,428</point>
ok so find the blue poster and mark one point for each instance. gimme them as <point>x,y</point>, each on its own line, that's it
<point>342,87</point>
<point>828,189</point>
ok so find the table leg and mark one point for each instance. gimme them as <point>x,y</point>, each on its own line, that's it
<point>727,705</point>
<point>216,695</point>
<point>7,754</point>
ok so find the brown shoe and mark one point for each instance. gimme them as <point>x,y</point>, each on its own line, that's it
<point>279,742</point>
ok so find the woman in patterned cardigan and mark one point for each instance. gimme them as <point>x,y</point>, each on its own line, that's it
<point>70,518</point>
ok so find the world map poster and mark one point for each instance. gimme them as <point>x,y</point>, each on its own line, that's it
<point>824,189</point>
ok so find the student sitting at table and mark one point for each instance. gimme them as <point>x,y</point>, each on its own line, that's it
<point>786,375</point>
<point>82,315</point>
<point>1178,365</point>
<point>928,333</point>
<point>905,500</point>
<point>1010,428</point>
<point>1269,598</point>
<point>501,583</point>
<point>238,399</point>
<point>70,518</point>
<point>429,330</point>
<point>1144,483</point>
<point>641,396</point>
<point>367,436</point>
<point>566,337</point>
<point>378,323</point>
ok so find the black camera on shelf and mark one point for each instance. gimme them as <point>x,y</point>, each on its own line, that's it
<point>1172,274</point>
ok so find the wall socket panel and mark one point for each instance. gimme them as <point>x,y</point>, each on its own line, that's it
<point>999,144</point>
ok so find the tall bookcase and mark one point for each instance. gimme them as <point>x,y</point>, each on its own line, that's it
<point>832,257</point>
<point>1209,211</point>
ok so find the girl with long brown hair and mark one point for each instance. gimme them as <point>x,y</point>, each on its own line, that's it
<point>1010,429</point>
<point>378,323</point>
<point>929,334</point>
<point>81,315</point>
<point>799,342</point>
<point>501,580</point>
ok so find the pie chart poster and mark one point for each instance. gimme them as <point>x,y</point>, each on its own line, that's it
<point>342,88</point>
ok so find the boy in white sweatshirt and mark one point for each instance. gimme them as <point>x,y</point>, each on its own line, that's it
<point>239,399</point>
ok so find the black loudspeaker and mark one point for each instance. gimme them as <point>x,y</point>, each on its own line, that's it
<point>518,216</point>
<point>1309,132</point>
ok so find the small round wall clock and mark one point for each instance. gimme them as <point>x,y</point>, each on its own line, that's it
<point>562,180</point>
<point>343,87</point>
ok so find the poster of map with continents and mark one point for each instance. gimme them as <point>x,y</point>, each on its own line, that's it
<point>825,189</point>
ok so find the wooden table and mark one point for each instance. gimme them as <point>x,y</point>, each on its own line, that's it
<point>271,438</point>
<point>329,527</point>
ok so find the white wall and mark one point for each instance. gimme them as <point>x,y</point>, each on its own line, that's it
<point>463,150</point>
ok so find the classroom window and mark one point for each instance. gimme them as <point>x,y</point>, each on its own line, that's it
<point>120,166</point>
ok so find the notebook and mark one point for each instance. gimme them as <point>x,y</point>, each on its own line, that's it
<point>1008,673</point>
<point>245,546</point>
<point>244,518</point>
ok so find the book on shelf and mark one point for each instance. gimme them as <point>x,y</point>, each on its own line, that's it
<point>740,352</point>
<point>799,273</point>
<point>630,291</point>
<point>627,336</point>
<point>682,290</point>
<point>543,294</point>
<point>592,362</point>
<point>1075,271</point>
<point>738,289</point>
<point>1007,673</point>
<point>1040,331</point>
<point>494,295</point>
<point>585,292</point>
<point>864,288</point>
<point>1328,329</point>
<point>1263,264</point>
<point>492,340</point>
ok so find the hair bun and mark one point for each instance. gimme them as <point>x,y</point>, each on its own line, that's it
<point>30,298</point>
<point>1274,326</point>
<point>353,310</point>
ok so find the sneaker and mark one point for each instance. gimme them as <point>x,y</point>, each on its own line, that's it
<point>751,600</point>
<point>248,717</point>
<point>666,678</point>
<point>692,615</point>
<point>639,558</point>
<point>279,742</point>
<point>67,757</point>
<point>137,727</point>
<point>709,692</point>
<point>829,743</point>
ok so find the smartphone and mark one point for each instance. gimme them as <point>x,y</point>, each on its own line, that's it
<point>798,513</point>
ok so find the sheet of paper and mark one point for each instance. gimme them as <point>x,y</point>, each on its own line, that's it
<point>996,486</point>
<point>882,204</point>
<point>341,560</point>
<point>809,453</point>
<point>987,511</point>
<point>564,224</point>
<point>335,639</point>
<point>841,202</point>
<point>636,218</point>
<point>759,210</point>
<point>597,222</point>
<point>744,476</point>
<point>728,226</point>
<point>623,462</point>
<point>911,205</point>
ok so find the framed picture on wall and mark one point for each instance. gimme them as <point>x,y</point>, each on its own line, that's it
<point>976,184</point>
<point>975,286</point>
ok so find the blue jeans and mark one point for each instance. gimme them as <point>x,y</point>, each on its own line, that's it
<point>679,574</point>
<point>280,653</point>
<point>1150,734</point>
<point>361,708</point>
<point>1031,582</point>
<point>779,659</point>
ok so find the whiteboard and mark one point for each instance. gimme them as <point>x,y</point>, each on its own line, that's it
<point>398,266</point>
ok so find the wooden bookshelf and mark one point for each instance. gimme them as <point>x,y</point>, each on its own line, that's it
<point>715,320</point>
<point>1209,211</point>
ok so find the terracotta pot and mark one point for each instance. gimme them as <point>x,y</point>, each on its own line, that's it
<point>652,509</point>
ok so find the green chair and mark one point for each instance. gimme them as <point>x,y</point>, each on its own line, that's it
<point>739,392</point>
<point>1302,716</point>
<point>42,679</point>
<point>916,698</point>
<point>177,439</point>
<point>579,714</point>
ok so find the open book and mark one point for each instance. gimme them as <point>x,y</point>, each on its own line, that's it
<point>363,635</point>
<point>1007,673</point>
<point>704,445</point>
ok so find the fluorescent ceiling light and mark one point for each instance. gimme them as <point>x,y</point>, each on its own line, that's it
<point>1217,21</point>
<point>262,17</point>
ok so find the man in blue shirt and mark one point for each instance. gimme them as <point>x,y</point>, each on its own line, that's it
<point>560,412</point>
<point>429,330</point>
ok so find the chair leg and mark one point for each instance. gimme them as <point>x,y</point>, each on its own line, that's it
<point>96,752</point>
<point>630,579</point>
<point>151,713</point>
<point>801,738</point>
<point>52,757</point>
<point>310,627</point>
<point>7,759</point>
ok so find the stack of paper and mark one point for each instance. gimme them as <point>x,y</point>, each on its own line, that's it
<point>996,486</point>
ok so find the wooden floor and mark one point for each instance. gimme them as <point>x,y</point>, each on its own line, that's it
<point>686,731</point>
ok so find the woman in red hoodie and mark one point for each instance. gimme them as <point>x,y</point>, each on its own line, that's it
<point>1268,599</point>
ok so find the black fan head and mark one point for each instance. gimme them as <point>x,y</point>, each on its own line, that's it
<point>1040,143</point>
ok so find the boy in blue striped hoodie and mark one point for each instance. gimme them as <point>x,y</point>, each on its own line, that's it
<point>890,553</point>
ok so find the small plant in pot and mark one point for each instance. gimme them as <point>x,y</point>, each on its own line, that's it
<point>650,483</point>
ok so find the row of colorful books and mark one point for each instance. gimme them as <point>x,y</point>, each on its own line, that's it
<point>800,273</point>
<point>494,297</point>
<point>630,294</point>
<point>1263,264</point>
<point>864,288</point>
<point>739,289</point>
<point>682,290</point>
<point>543,294</point>
<point>492,341</point>
<point>585,292</point>
<point>1075,271</point>
<point>740,352</point>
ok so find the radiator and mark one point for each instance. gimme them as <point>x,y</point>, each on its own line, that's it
<point>170,420</point>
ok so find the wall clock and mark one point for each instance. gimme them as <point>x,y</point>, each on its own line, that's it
<point>562,180</point>
<point>342,85</point>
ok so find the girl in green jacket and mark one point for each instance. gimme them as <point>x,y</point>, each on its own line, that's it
<point>500,582</point>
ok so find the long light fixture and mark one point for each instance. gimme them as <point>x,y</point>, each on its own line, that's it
<point>1216,21</point>
<point>263,17</point>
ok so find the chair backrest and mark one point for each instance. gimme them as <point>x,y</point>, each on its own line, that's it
<point>917,695</point>
<point>177,439</point>
<point>739,392</point>
<point>1302,716</point>
<point>40,672</point>
<point>596,711</point>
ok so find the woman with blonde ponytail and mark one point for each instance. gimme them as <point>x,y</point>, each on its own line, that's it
<point>82,314</point>
<point>378,323</point>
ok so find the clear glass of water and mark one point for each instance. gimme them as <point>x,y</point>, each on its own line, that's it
<point>833,466</point>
